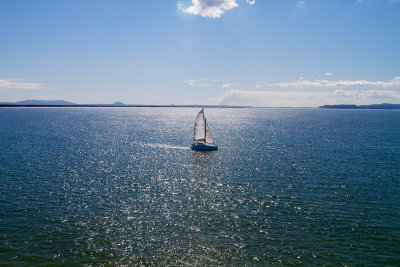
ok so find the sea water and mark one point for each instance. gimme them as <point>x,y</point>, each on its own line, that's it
<point>120,186</point>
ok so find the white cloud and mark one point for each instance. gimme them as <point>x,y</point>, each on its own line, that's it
<point>268,98</point>
<point>328,73</point>
<point>227,85</point>
<point>371,94</point>
<point>209,83</point>
<point>19,84</point>
<point>199,82</point>
<point>306,83</point>
<point>202,82</point>
<point>305,99</point>
<point>211,8</point>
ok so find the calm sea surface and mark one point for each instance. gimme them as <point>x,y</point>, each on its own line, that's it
<point>120,186</point>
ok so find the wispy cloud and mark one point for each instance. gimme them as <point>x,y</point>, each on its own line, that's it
<point>211,8</point>
<point>199,82</point>
<point>328,73</point>
<point>368,94</point>
<point>227,85</point>
<point>305,99</point>
<point>19,84</point>
<point>301,3</point>
<point>307,83</point>
<point>208,83</point>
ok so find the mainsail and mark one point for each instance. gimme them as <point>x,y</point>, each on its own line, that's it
<point>201,129</point>
<point>199,125</point>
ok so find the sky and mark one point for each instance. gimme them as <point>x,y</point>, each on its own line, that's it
<point>271,53</point>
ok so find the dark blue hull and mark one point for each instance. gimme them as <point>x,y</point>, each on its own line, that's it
<point>203,146</point>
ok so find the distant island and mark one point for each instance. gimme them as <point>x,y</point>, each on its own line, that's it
<point>373,106</point>
<point>63,103</point>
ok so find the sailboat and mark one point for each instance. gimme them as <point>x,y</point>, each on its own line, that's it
<point>202,136</point>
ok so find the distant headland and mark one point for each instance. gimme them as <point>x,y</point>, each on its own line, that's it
<point>373,106</point>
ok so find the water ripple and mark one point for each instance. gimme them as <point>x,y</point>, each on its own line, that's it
<point>122,187</point>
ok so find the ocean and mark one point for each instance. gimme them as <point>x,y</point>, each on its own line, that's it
<point>120,186</point>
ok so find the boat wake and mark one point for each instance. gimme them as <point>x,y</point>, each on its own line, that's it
<point>164,146</point>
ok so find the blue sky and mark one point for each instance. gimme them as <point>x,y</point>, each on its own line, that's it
<point>239,52</point>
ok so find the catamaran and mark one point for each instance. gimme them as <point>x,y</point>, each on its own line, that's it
<point>202,136</point>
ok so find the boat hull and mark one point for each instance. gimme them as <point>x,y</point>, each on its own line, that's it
<point>203,146</point>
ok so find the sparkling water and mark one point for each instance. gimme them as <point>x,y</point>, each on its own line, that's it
<point>120,186</point>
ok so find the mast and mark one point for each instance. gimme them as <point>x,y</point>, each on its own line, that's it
<point>205,129</point>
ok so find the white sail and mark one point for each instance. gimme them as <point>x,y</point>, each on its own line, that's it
<point>208,135</point>
<point>199,127</point>
<point>202,135</point>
